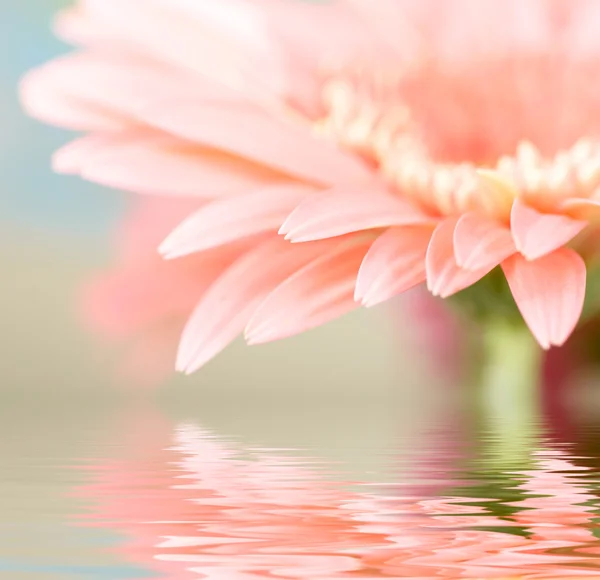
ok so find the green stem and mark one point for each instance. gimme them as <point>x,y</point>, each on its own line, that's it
<point>509,391</point>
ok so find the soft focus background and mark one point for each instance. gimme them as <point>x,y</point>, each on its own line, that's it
<point>340,390</point>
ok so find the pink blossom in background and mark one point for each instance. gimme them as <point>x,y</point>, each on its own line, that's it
<point>392,143</point>
<point>191,505</point>
<point>143,301</point>
<point>430,327</point>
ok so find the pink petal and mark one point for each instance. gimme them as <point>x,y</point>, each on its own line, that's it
<point>394,263</point>
<point>225,42</point>
<point>285,147</point>
<point>549,292</point>
<point>229,219</point>
<point>43,97</point>
<point>444,276</point>
<point>314,295</point>
<point>388,23</point>
<point>69,158</point>
<point>582,208</point>
<point>227,306</point>
<point>99,91</point>
<point>75,26</point>
<point>480,242</point>
<point>294,24</point>
<point>157,164</point>
<point>349,209</point>
<point>537,234</point>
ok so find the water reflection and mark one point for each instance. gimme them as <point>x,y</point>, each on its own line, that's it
<point>192,503</point>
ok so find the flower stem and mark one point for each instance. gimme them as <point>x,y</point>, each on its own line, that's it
<point>509,391</point>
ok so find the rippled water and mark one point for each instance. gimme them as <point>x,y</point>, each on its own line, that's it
<point>318,489</point>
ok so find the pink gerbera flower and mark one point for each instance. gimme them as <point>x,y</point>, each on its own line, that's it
<point>401,142</point>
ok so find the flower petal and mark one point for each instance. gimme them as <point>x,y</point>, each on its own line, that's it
<point>99,91</point>
<point>74,26</point>
<point>444,276</point>
<point>70,158</point>
<point>344,210</point>
<point>228,304</point>
<point>157,164</point>
<point>43,97</point>
<point>228,219</point>
<point>264,139</point>
<point>318,293</point>
<point>224,41</point>
<point>582,208</point>
<point>394,263</point>
<point>549,293</point>
<point>481,242</point>
<point>537,234</point>
<point>496,194</point>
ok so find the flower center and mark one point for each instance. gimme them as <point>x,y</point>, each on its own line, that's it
<point>468,112</point>
<point>428,128</point>
<point>478,111</point>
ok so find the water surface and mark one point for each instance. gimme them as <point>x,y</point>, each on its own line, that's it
<point>316,487</point>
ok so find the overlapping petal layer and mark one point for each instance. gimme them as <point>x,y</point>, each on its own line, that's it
<point>448,137</point>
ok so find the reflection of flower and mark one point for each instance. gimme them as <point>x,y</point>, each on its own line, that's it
<point>207,508</point>
<point>556,508</point>
<point>455,135</point>
<point>202,505</point>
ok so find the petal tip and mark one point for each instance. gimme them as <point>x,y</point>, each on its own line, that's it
<point>359,294</point>
<point>255,335</point>
<point>181,366</point>
<point>168,253</point>
<point>61,164</point>
<point>369,303</point>
<point>284,230</point>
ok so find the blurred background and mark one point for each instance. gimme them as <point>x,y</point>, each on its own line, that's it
<point>54,228</point>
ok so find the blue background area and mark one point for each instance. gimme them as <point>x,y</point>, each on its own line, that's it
<point>31,195</point>
<point>46,220</point>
